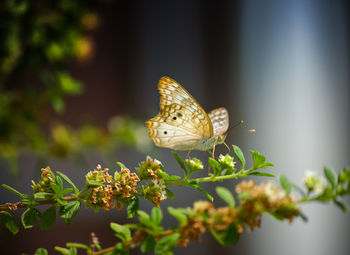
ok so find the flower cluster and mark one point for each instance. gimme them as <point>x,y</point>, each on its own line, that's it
<point>99,175</point>
<point>124,185</point>
<point>43,185</point>
<point>194,164</point>
<point>121,188</point>
<point>314,183</point>
<point>149,169</point>
<point>266,197</point>
<point>255,200</point>
<point>152,169</point>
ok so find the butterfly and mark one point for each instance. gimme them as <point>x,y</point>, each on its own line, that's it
<point>182,124</point>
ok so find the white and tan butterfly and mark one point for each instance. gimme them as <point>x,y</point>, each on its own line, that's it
<point>182,124</point>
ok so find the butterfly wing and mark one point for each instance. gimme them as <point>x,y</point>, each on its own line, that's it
<point>219,120</point>
<point>181,123</point>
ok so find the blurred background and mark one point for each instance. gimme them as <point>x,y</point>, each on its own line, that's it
<point>79,78</point>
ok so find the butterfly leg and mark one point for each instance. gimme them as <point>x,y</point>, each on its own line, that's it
<point>228,148</point>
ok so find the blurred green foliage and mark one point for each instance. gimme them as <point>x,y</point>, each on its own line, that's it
<point>39,38</point>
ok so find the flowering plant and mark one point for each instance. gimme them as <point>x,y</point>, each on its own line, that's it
<point>151,182</point>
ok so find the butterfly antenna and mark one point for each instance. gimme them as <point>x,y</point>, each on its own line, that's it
<point>235,125</point>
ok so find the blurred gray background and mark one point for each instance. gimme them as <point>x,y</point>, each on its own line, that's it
<point>281,66</point>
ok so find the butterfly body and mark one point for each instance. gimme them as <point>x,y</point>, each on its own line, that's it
<point>182,124</point>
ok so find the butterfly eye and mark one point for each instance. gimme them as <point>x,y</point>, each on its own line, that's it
<point>179,114</point>
<point>165,132</point>
<point>174,118</point>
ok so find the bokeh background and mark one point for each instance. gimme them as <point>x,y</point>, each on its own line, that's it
<point>281,66</point>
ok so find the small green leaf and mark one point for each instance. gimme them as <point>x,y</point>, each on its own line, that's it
<point>9,222</point>
<point>196,186</point>
<point>122,232</point>
<point>259,161</point>
<point>148,244</point>
<point>43,195</point>
<point>239,154</point>
<point>330,176</point>
<point>261,174</point>
<point>341,205</point>
<point>145,219</point>
<point>48,217</point>
<point>179,215</point>
<point>132,207</point>
<point>94,183</point>
<point>285,184</point>
<point>66,178</point>
<point>226,195</point>
<point>28,217</point>
<point>41,251</point>
<point>228,237</point>
<point>215,166</point>
<point>166,244</point>
<point>66,191</point>
<point>169,194</point>
<point>69,210</point>
<point>121,165</point>
<point>156,215</point>
<point>13,190</point>
<point>167,177</point>
<point>63,251</point>
<point>180,161</point>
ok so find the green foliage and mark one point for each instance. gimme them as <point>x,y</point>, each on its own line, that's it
<point>166,244</point>
<point>228,237</point>
<point>225,223</point>
<point>41,251</point>
<point>226,195</point>
<point>29,216</point>
<point>48,217</point>
<point>9,222</point>
<point>120,231</point>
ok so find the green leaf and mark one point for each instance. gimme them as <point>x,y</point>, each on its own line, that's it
<point>156,215</point>
<point>285,184</point>
<point>330,176</point>
<point>169,194</point>
<point>167,177</point>
<point>196,186</point>
<point>43,195</point>
<point>166,244</point>
<point>215,166</point>
<point>94,183</point>
<point>28,217</point>
<point>69,210</point>
<point>145,219</point>
<point>226,195</point>
<point>66,178</point>
<point>122,232</point>
<point>9,222</point>
<point>148,244</point>
<point>13,190</point>
<point>261,174</point>
<point>228,237</point>
<point>132,207</point>
<point>180,161</point>
<point>178,214</point>
<point>41,251</point>
<point>259,161</point>
<point>66,191</point>
<point>239,154</point>
<point>341,205</point>
<point>48,217</point>
<point>63,251</point>
<point>121,165</point>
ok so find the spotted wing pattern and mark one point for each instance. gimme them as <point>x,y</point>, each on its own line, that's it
<point>181,123</point>
<point>219,120</point>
